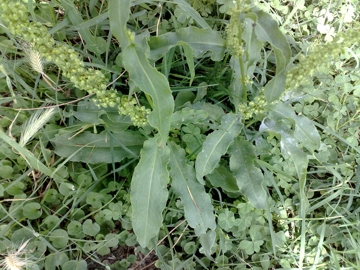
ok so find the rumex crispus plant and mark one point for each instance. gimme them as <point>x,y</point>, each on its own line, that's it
<point>227,170</point>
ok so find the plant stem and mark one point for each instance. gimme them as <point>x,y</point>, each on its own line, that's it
<point>241,60</point>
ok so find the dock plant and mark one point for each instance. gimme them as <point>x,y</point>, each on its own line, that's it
<point>208,134</point>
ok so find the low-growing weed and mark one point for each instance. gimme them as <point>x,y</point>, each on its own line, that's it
<point>179,135</point>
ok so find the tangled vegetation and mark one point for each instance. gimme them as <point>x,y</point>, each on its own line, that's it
<point>187,134</point>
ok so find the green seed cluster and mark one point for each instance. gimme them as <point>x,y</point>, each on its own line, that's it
<point>128,106</point>
<point>320,58</point>
<point>14,14</point>
<point>234,29</point>
<point>253,108</point>
<point>233,35</point>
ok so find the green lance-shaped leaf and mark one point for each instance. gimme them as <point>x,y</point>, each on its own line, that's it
<point>216,145</point>
<point>222,177</point>
<point>148,190</point>
<point>267,30</point>
<point>186,7</point>
<point>290,150</point>
<point>98,148</point>
<point>187,116</point>
<point>93,43</point>
<point>189,59</point>
<point>199,212</point>
<point>142,74</point>
<point>288,143</point>
<point>199,40</point>
<point>207,241</point>
<point>248,177</point>
<point>305,131</point>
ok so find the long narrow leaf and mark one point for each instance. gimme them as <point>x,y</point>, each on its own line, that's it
<point>216,145</point>
<point>185,6</point>
<point>248,177</point>
<point>290,150</point>
<point>148,190</point>
<point>267,30</point>
<point>92,42</point>
<point>305,130</point>
<point>200,41</point>
<point>189,59</point>
<point>142,74</point>
<point>94,148</point>
<point>199,212</point>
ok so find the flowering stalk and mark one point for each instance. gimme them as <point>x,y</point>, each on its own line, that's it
<point>40,44</point>
<point>14,15</point>
<point>320,58</point>
<point>235,44</point>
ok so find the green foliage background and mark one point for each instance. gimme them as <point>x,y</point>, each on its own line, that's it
<point>215,134</point>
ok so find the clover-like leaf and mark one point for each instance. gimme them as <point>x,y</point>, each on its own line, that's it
<point>55,259</point>
<point>90,228</point>
<point>226,220</point>
<point>51,221</point>
<point>75,265</point>
<point>51,196</point>
<point>21,235</point>
<point>84,180</point>
<point>32,210</point>
<point>59,238</point>
<point>257,245</point>
<point>190,247</point>
<point>89,246</point>
<point>75,228</point>
<point>16,188</point>
<point>247,246</point>
<point>6,171</point>
<point>94,199</point>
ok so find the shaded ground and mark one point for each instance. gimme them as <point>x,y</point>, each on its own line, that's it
<point>119,253</point>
